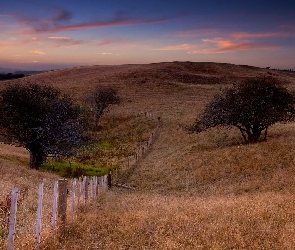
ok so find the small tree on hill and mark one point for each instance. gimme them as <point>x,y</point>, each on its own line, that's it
<point>39,118</point>
<point>103,98</point>
<point>251,106</point>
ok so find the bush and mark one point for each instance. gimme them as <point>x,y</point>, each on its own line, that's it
<point>74,169</point>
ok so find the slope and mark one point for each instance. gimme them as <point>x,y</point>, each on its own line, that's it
<point>206,191</point>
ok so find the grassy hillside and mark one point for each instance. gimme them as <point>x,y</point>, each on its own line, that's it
<point>205,191</point>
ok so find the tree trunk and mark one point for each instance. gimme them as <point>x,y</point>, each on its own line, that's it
<point>36,159</point>
<point>99,112</point>
<point>254,135</point>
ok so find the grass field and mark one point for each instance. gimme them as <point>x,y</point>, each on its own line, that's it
<point>193,191</point>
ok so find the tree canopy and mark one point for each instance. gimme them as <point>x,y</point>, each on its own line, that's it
<point>251,106</point>
<point>39,118</point>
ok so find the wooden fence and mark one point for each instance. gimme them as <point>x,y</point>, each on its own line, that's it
<point>69,195</point>
<point>127,166</point>
<point>65,201</point>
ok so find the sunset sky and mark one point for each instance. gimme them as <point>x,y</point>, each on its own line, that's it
<point>43,35</point>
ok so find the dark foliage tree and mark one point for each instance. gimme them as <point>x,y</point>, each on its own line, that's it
<point>41,119</point>
<point>103,98</point>
<point>251,106</point>
<point>10,76</point>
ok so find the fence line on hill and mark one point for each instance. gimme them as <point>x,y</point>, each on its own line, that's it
<point>63,205</point>
<point>67,197</point>
<point>128,165</point>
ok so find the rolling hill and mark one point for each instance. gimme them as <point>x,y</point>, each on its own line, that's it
<point>204,191</point>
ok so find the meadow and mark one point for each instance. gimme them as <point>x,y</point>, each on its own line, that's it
<point>192,191</point>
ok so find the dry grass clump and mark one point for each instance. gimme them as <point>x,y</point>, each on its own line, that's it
<point>217,162</point>
<point>14,172</point>
<point>140,221</point>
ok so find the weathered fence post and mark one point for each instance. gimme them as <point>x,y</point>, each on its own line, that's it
<point>54,207</point>
<point>91,188</point>
<point>62,204</point>
<point>79,191</point>
<point>109,180</point>
<point>85,189</point>
<point>73,197</point>
<point>39,216</point>
<point>12,219</point>
<point>105,182</point>
<point>96,185</point>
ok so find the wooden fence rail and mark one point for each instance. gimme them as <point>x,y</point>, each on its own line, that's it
<point>88,187</point>
<point>69,198</point>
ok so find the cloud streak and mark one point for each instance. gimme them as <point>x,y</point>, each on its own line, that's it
<point>178,47</point>
<point>243,35</point>
<point>219,45</point>
<point>38,52</point>
<point>227,45</point>
<point>60,41</point>
<point>58,22</point>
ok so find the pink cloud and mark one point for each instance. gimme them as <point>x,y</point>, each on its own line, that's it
<point>38,52</point>
<point>177,47</point>
<point>200,32</point>
<point>242,35</point>
<point>227,45</point>
<point>109,41</point>
<point>61,41</point>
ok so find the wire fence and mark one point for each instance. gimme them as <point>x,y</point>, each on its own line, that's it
<point>24,225</point>
<point>128,165</point>
<point>36,216</point>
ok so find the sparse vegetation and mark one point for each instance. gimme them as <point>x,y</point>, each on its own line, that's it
<point>75,169</point>
<point>251,106</point>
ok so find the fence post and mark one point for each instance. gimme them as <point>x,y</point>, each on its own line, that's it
<point>73,197</point>
<point>54,207</point>
<point>105,184</point>
<point>39,215</point>
<point>96,185</point>
<point>12,219</point>
<point>79,191</point>
<point>109,180</point>
<point>100,183</point>
<point>62,203</point>
<point>91,188</point>
<point>85,189</point>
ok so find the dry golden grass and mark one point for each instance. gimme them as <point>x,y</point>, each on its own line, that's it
<point>205,191</point>
<point>123,220</point>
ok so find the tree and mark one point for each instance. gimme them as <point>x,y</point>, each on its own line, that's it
<point>103,98</point>
<point>39,118</point>
<point>251,106</point>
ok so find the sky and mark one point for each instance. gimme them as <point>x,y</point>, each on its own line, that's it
<point>44,35</point>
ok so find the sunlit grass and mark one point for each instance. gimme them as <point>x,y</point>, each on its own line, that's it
<point>75,169</point>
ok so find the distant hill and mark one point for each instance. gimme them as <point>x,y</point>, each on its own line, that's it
<point>7,70</point>
<point>19,71</point>
<point>28,72</point>
<point>10,76</point>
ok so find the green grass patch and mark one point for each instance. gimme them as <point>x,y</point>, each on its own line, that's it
<point>75,169</point>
